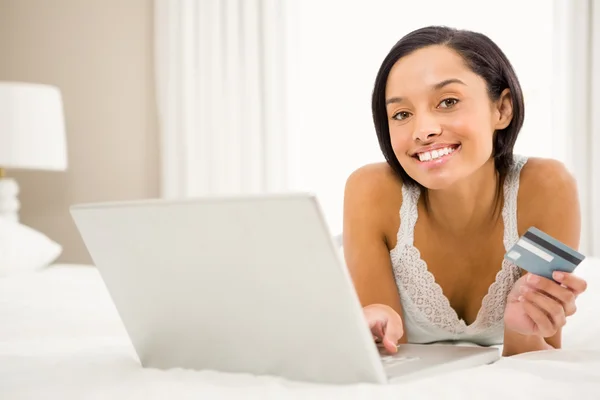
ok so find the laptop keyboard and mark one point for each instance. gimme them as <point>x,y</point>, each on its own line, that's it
<point>392,361</point>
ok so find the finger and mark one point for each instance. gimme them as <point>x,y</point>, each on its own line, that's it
<point>545,315</point>
<point>576,284</point>
<point>389,346</point>
<point>377,330</point>
<point>564,296</point>
<point>393,333</point>
<point>542,322</point>
<point>553,309</point>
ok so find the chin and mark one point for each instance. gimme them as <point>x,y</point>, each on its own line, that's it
<point>435,182</point>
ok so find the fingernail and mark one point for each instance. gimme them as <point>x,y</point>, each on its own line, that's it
<point>524,289</point>
<point>521,298</point>
<point>558,275</point>
<point>533,278</point>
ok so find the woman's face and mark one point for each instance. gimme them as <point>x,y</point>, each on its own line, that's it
<point>440,117</point>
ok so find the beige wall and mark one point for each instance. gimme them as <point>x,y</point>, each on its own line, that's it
<point>99,53</point>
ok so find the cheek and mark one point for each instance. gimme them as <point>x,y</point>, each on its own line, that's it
<point>473,132</point>
<point>401,140</point>
<point>461,127</point>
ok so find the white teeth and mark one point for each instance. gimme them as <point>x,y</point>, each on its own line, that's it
<point>432,155</point>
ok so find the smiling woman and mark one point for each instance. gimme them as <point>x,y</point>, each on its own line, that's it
<point>450,78</point>
<point>426,231</point>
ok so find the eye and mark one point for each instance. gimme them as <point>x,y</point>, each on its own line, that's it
<point>402,115</point>
<point>447,103</point>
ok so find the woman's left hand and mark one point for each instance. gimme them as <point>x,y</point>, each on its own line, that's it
<point>540,306</point>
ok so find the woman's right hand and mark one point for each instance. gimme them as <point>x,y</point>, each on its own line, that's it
<point>385,324</point>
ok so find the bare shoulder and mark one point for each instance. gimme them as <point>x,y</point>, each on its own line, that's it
<point>549,200</point>
<point>377,176</point>
<point>546,174</point>
<point>546,183</point>
<point>374,189</point>
<point>373,194</point>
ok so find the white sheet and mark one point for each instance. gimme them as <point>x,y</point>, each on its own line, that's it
<point>61,337</point>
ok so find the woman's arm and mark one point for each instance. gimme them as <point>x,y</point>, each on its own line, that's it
<point>368,201</point>
<point>548,200</point>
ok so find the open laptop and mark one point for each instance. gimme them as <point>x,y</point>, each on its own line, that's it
<point>251,284</point>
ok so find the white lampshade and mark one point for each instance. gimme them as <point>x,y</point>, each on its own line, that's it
<point>32,127</point>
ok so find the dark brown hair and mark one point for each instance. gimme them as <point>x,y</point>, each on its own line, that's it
<point>484,58</point>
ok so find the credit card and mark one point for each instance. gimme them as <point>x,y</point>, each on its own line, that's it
<point>541,254</point>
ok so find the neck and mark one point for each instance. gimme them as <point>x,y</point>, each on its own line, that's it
<point>470,204</point>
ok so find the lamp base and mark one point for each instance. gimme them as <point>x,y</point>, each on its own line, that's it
<point>9,202</point>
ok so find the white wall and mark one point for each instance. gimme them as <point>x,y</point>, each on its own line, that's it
<point>335,49</point>
<point>99,53</point>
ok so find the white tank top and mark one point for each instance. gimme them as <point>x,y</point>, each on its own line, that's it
<point>428,316</point>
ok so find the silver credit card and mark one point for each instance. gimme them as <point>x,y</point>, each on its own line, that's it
<point>541,254</point>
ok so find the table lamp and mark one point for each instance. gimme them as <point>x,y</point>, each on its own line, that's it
<point>32,136</point>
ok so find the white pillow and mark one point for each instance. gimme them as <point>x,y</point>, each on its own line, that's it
<point>23,249</point>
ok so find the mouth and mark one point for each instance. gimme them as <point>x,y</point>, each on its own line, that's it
<point>437,154</point>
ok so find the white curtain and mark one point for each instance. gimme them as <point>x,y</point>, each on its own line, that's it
<point>245,86</point>
<point>577,40</point>
<point>594,150</point>
<point>220,89</point>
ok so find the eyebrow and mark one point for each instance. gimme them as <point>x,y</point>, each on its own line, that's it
<point>437,86</point>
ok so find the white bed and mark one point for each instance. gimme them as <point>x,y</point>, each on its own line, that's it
<point>60,337</point>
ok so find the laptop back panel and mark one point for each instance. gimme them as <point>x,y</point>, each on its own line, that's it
<point>241,284</point>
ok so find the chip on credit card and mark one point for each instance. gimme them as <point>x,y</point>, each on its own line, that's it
<point>541,254</point>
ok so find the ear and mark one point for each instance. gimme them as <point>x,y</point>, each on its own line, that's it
<point>503,110</point>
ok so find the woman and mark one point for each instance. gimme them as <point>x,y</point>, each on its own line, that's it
<point>425,233</point>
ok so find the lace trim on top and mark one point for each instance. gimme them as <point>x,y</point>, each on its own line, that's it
<point>427,302</point>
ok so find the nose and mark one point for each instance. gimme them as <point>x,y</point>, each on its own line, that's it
<point>426,127</point>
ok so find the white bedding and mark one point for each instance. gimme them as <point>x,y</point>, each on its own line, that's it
<point>60,337</point>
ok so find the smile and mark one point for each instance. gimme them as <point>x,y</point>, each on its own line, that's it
<point>436,154</point>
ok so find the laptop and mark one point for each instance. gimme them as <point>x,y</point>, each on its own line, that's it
<point>245,284</point>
